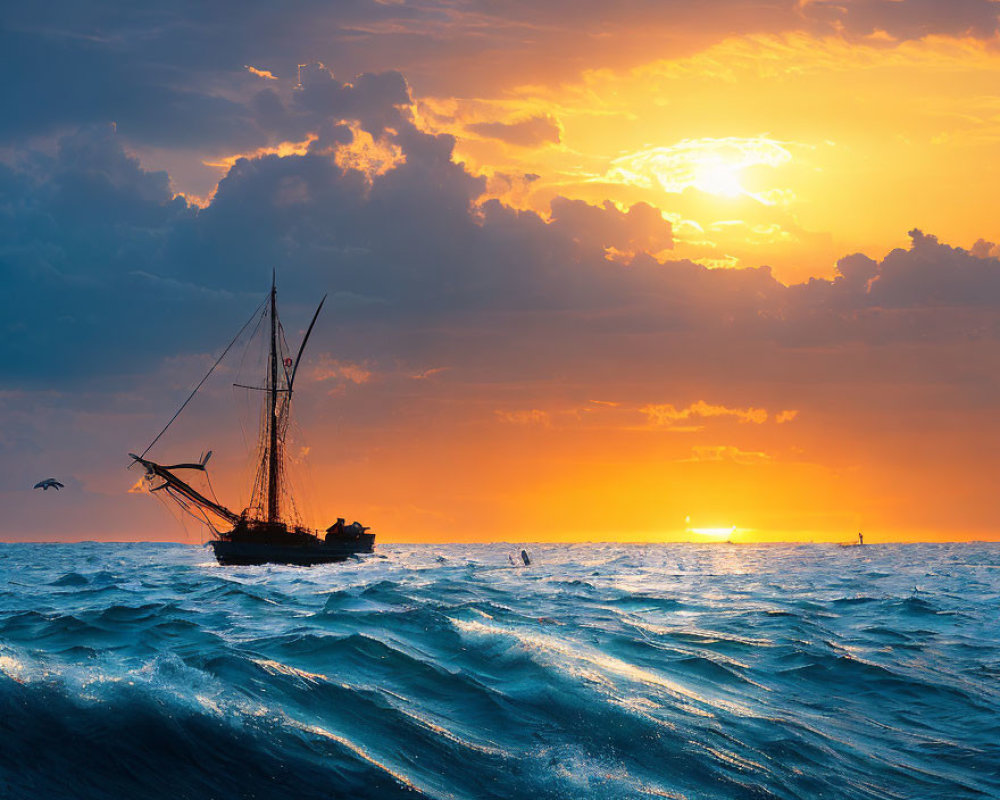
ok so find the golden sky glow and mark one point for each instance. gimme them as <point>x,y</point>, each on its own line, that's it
<point>788,150</point>
<point>590,276</point>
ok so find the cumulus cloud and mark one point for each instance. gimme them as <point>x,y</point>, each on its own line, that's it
<point>80,233</point>
<point>108,272</point>
<point>94,245</point>
<point>985,249</point>
<point>108,275</point>
<point>640,228</point>
<point>932,273</point>
<point>375,100</point>
<point>322,107</point>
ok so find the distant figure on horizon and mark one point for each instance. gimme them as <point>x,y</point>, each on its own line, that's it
<point>861,539</point>
<point>525,559</point>
<point>48,483</point>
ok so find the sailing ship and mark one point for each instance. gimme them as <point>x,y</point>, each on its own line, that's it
<point>266,531</point>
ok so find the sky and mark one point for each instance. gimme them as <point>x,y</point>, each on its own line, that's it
<point>642,271</point>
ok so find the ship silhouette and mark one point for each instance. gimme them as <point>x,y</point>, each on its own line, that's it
<point>263,532</point>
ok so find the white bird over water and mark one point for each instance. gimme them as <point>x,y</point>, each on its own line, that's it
<point>48,483</point>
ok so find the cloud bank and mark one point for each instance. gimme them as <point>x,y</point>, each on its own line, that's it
<point>460,324</point>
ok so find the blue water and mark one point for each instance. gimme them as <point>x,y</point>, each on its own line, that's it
<point>604,671</point>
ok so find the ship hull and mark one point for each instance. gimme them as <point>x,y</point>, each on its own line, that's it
<point>246,554</point>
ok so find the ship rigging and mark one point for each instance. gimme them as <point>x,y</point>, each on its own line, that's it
<point>265,531</point>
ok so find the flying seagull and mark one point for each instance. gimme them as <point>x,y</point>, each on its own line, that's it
<point>48,483</point>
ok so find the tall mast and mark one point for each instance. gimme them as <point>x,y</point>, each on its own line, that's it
<point>272,420</point>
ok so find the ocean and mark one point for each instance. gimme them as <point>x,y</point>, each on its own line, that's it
<point>442,671</point>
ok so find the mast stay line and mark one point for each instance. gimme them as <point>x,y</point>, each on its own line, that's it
<point>202,381</point>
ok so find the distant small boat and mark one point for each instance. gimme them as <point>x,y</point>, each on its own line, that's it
<point>260,534</point>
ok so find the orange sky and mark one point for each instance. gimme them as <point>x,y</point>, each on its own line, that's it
<point>648,419</point>
<point>788,150</point>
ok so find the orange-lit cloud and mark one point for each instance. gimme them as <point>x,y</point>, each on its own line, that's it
<point>332,369</point>
<point>838,168</point>
<point>724,452</point>
<point>428,373</point>
<point>367,155</point>
<point>666,414</point>
<point>279,149</point>
<point>260,73</point>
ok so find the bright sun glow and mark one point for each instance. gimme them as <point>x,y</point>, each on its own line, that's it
<point>713,166</point>
<point>720,532</point>
<point>718,178</point>
<point>716,533</point>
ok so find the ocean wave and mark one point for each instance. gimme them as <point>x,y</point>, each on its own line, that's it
<point>441,671</point>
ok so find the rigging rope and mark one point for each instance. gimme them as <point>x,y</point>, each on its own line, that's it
<point>196,388</point>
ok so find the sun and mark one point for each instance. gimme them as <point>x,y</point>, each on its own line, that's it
<point>714,532</point>
<point>719,177</point>
<point>710,533</point>
<point>711,166</point>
